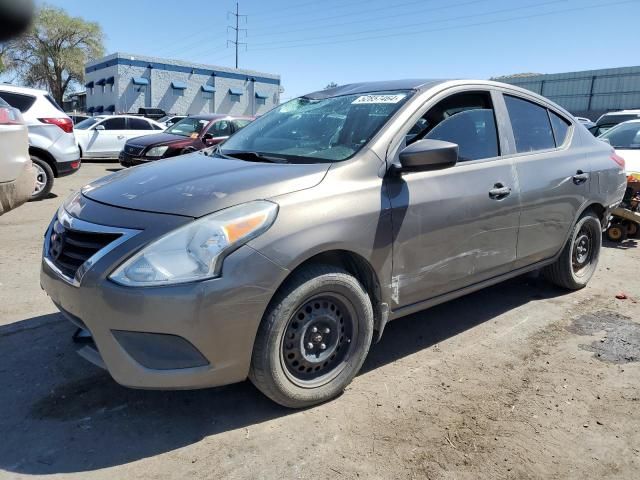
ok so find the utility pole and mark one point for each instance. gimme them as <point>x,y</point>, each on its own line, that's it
<point>237,30</point>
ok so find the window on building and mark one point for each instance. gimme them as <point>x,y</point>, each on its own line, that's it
<point>560,128</point>
<point>139,124</point>
<point>531,125</point>
<point>178,92</point>
<point>466,119</point>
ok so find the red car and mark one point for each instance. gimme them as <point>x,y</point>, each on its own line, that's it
<point>188,135</point>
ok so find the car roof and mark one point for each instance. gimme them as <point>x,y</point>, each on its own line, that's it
<point>217,116</point>
<point>7,87</point>
<point>369,87</point>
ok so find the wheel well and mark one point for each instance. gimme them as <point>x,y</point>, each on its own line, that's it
<point>599,210</point>
<point>46,156</point>
<point>361,269</point>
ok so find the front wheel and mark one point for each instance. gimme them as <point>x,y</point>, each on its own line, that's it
<point>313,338</point>
<point>579,258</point>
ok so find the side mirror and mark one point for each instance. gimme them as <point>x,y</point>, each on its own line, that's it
<point>428,155</point>
<point>100,127</point>
<point>207,136</point>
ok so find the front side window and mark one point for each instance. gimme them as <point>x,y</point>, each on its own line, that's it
<point>624,136</point>
<point>188,127</point>
<point>466,119</point>
<point>531,125</point>
<point>220,129</point>
<point>309,130</point>
<point>115,123</point>
<point>139,124</point>
<point>85,124</point>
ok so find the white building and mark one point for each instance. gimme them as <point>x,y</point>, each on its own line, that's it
<point>123,82</point>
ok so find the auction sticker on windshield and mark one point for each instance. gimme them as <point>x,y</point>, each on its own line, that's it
<point>378,99</point>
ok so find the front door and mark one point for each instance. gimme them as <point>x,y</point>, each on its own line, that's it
<point>108,142</point>
<point>456,226</point>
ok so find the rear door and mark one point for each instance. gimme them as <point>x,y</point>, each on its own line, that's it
<point>553,173</point>
<point>456,226</point>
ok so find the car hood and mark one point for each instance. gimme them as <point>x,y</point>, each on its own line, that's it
<point>157,139</point>
<point>195,184</point>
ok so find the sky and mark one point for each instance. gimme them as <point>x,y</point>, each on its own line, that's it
<point>312,43</point>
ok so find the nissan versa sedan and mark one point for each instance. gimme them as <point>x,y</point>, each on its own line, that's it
<point>283,254</point>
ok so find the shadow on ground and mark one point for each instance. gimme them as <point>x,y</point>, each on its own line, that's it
<point>60,414</point>
<point>624,245</point>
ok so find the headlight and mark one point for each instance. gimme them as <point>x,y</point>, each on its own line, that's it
<point>195,251</point>
<point>156,151</point>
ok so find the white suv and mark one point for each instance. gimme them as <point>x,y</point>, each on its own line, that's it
<point>52,145</point>
<point>17,175</point>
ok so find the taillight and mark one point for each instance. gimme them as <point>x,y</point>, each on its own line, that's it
<point>64,123</point>
<point>10,116</point>
<point>618,159</point>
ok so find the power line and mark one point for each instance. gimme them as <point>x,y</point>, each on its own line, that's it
<point>419,24</point>
<point>490,22</point>
<point>237,30</point>
<point>360,20</point>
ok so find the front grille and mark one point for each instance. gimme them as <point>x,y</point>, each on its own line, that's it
<point>134,150</point>
<point>69,249</point>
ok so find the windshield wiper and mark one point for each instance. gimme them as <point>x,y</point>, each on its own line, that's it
<point>254,157</point>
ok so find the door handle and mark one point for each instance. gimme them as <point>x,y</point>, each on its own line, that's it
<point>580,177</point>
<point>499,191</point>
<point>120,137</point>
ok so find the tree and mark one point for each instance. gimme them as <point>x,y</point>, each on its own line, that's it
<point>53,52</point>
<point>331,85</point>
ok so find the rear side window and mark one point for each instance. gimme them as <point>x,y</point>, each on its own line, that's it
<point>17,100</point>
<point>139,124</point>
<point>560,128</point>
<point>115,123</point>
<point>531,125</point>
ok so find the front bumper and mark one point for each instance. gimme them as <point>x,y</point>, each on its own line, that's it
<point>174,337</point>
<point>127,160</point>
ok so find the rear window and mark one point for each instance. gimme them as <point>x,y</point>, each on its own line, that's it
<point>18,100</point>
<point>531,125</point>
<point>53,102</point>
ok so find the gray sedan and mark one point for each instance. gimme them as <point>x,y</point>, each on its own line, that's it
<point>282,254</point>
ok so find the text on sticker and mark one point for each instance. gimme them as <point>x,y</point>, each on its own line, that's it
<point>378,99</point>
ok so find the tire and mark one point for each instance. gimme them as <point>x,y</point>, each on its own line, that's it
<point>579,258</point>
<point>333,302</point>
<point>632,229</point>
<point>44,179</point>
<point>616,232</point>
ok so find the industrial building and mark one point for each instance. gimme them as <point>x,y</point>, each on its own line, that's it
<point>589,93</point>
<point>123,82</point>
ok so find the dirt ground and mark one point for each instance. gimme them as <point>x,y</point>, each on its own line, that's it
<point>518,381</point>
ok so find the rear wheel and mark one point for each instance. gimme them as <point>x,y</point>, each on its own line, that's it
<point>313,338</point>
<point>44,179</point>
<point>632,229</point>
<point>579,258</point>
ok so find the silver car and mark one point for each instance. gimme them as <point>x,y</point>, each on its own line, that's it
<point>283,254</point>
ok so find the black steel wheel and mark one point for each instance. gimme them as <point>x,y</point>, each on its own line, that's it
<point>578,260</point>
<point>317,340</point>
<point>313,338</point>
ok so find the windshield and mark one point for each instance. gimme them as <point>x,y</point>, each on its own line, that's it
<point>188,127</point>
<point>317,130</point>
<point>625,135</point>
<point>85,124</point>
